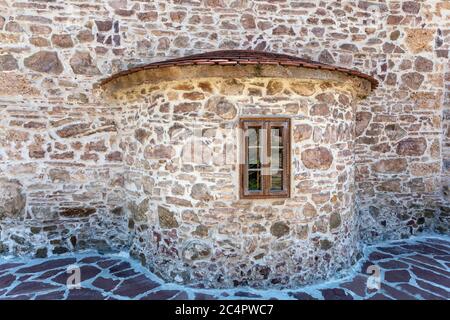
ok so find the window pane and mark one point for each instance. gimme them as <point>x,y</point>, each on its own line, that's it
<point>276,160</point>
<point>276,181</point>
<point>254,148</point>
<point>277,137</point>
<point>254,137</point>
<point>254,180</point>
<point>254,161</point>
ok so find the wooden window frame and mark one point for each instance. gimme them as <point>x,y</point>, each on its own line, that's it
<point>265,123</point>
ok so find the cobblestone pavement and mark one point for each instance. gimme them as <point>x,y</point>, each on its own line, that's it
<point>418,268</point>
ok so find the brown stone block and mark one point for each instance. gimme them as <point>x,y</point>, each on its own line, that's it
<point>419,40</point>
<point>103,25</point>
<point>59,175</point>
<point>302,132</point>
<point>390,166</point>
<point>12,198</point>
<point>8,62</point>
<point>231,87</point>
<point>114,156</point>
<point>321,109</point>
<point>167,219</point>
<point>73,130</point>
<point>148,16</point>
<point>248,21</point>
<point>17,136</point>
<point>303,88</point>
<point>413,80</point>
<point>40,29</point>
<point>44,61</point>
<point>177,16</point>
<point>159,152</point>
<point>427,100</point>
<point>62,40</point>
<point>178,201</point>
<point>85,36</point>
<point>389,186</point>
<point>425,169</point>
<point>317,158</point>
<point>362,121</point>
<point>36,152</point>
<point>9,38</point>
<point>412,147</point>
<point>76,212</point>
<point>309,211</point>
<point>81,63</point>
<point>39,42</point>
<point>187,107</point>
<point>62,156</point>
<point>193,95</point>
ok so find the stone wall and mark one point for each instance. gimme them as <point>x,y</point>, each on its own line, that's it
<point>59,141</point>
<point>181,143</point>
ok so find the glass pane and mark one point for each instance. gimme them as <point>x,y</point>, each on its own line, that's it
<point>254,137</point>
<point>254,160</point>
<point>276,180</point>
<point>254,148</point>
<point>277,137</point>
<point>276,160</point>
<point>254,180</point>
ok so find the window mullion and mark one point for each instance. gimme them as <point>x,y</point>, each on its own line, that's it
<point>245,163</point>
<point>287,158</point>
<point>267,151</point>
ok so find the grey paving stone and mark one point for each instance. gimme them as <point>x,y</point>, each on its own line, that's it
<point>29,287</point>
<point>47,265</point>
<point>419,292</point>
<point>397,276</point>
<point>105,284</point>
<point>8,266</point>
<point>56,295</point>
<point>204,296</point>
<point>6,280</point>
<point>180,296</point>
<point>85,294</point>
<point>133,287</point>
<point>395,293</point>
<point>161,295</point>
<point>357,285</point>
<point>392,264</point>
<point>431,276</point>
<point>301,296</point>
<point>336,294</point>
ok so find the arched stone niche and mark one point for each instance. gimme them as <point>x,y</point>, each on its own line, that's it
<point>187,222</point>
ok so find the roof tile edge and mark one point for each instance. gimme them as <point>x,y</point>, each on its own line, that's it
<point>242,57</point>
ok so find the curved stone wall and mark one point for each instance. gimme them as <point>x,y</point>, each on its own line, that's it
<point>187,222</point>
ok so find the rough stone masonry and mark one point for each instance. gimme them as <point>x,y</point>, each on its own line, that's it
<point>67,175</point>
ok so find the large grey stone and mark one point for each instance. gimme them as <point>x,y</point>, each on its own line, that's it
<point>167,219</point>
<point>44,61</point>
<point>12,199</point>
<point>279,229</point>
<point>196,250</point>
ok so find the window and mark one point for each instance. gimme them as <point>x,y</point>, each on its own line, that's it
<point>265,158</point>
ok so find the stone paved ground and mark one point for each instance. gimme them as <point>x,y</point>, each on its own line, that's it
<point>411,269</point>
